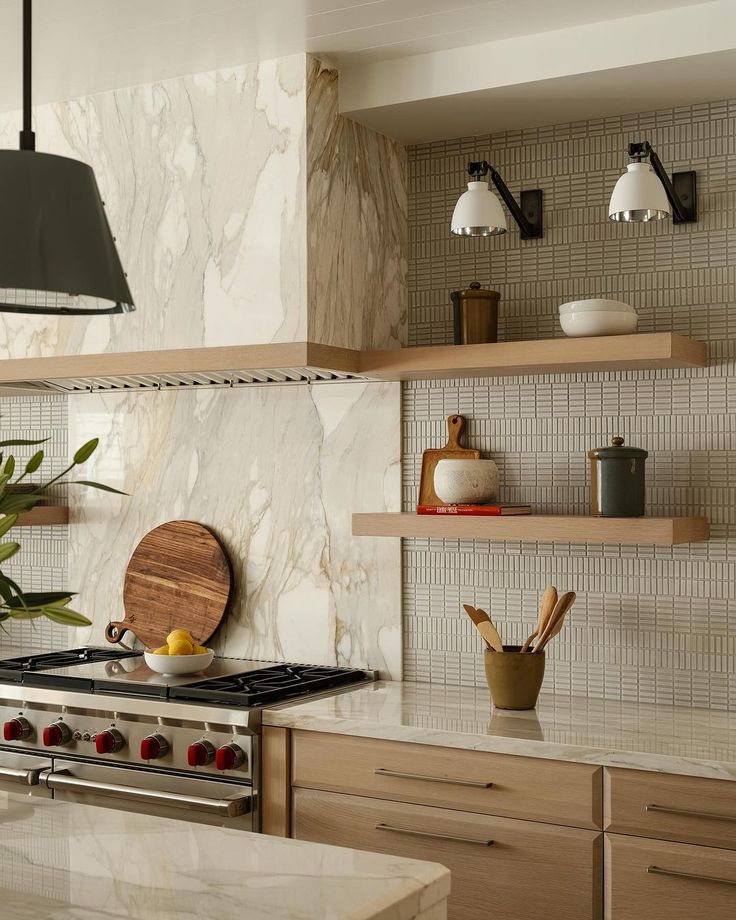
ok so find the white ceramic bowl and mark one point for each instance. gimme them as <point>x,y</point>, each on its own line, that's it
<point>599,322</point>
<point>464,482</point>
<point>177,665</point>
<point>596,304</point>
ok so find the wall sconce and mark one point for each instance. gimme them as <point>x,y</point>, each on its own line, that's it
<point>479,213</point>
<point>645,192</point>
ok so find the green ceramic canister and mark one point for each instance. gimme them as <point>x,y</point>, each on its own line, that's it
<point>617,480</point>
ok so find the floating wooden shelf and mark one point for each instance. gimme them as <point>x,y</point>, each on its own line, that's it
<point>42,515</point>
<point>308,362</point>
<point>542,356</point>
<point>543,528</point>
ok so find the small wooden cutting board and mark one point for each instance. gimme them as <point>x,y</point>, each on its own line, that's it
<point>179,576</point>
<point>451,451</point>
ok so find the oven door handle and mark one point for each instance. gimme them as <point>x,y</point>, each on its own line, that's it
<point>23,777</point>
<point>232,806</point>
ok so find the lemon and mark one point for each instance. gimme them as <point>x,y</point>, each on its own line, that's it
<point>199,650</point>
<point>180,647</point>
<point>164,650</point>
<point>179,634</point>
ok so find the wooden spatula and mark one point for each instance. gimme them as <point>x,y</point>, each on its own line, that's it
<point>546,608</point>
<point>558,616</point>
<point>485,627</point>
<point>451,451</point>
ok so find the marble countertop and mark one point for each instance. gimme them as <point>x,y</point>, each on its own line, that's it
<point>696,742</point>
<point>67,861</point>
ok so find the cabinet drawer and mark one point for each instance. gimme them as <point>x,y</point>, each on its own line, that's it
<point>685,808</point>
<point>656,878</point>
<point>498,784</point>
<point>529,871</point>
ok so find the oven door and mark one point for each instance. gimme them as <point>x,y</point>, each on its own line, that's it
<point>20,773</point>
<point>187,798</point>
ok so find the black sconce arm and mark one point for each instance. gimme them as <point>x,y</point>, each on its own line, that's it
<point>680,190</point>
<point>528,215</point>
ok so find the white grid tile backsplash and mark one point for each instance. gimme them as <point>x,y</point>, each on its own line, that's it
<point>650,624</point>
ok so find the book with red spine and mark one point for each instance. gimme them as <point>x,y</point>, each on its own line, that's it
<point>492,510</point>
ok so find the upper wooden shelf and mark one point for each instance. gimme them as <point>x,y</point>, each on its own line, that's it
<point>541,528</point>
<point>306,362</point>
<point>42,515</point>
<point>646,350</point>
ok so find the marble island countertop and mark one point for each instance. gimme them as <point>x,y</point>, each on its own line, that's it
<point>66,861</point>
<point>696,742</point>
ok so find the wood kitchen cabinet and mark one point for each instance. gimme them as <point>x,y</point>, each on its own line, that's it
<point>521,836</point>
<point>501,867</point>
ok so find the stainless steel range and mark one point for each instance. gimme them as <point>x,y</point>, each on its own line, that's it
<point>98,726</point>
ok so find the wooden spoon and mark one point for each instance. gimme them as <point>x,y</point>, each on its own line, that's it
<point>555,630</point>
<point>485,627</point>
<point>561,608</point>
<point>546,608</point>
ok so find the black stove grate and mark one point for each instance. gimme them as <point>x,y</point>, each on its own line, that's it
<point>14,669</point>
<point>267,685</point>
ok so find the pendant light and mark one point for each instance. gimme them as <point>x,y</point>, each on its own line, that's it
<point>645,192</point>
<point>57,254</point>
<point>479,213</point>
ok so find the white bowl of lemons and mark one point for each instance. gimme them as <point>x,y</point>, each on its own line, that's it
<point>180,656</point>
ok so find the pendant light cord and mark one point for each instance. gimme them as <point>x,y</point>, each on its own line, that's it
<point>27,137</point>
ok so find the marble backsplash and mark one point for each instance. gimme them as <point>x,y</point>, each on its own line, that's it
<point>276,473</point>
<point>203,180</point>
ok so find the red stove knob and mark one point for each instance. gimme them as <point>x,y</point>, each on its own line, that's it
<point>17,729</point>
<point>200,754</point>
<point>56,734</point>
<point>153,747</point>
<point>229,756</point>
<point>109,741</point>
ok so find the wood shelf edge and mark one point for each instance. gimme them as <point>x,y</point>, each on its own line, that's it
<point>544,528</point>
<point>559,355</point>
<point>44,515</point>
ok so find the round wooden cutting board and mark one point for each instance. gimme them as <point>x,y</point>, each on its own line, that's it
<point>178,577</point>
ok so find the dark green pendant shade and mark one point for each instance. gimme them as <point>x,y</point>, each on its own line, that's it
<point>57,254</point>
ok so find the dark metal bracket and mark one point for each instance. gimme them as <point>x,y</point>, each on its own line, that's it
<point>527,214</point>
<point>681,189</point>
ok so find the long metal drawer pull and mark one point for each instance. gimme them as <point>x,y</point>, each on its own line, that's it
<point>433,779</point>
<point>415,833</point>
<point>231,807</point>
<point>671,873</point>
<point>25,777</point>
<point>688,812</point>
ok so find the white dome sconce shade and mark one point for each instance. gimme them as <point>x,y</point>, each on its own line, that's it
<point>479,213</point>
<point>645,192</point>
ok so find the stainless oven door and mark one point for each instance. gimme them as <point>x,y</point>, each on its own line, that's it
<point>187,798</point>
<point>20,773</point>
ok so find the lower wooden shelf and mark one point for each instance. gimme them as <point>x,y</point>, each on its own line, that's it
<point>546,528</point>
<point>43,515</point>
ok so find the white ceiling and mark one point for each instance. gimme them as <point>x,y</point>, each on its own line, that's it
<point>87,46</point>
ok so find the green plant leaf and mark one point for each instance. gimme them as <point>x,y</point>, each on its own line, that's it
<point>18,503</point>
<point>6,523</point>
<point>23,441</point>
<point>35,599</point>
<point>86,451</point>
<point>65,616</point>
<point>6,592</point>
<point>9,466</point>
<point>95,485</point>
<point>34,463</point>
<point>25,614</point>
<point>7,550</point>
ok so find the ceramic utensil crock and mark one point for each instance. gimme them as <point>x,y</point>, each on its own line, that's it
<point>617,480</point>
<point>475,315</point>
<point>461,482</point>
<point>514,677</point>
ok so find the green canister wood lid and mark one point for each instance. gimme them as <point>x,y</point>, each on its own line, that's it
<point>618,452</point>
